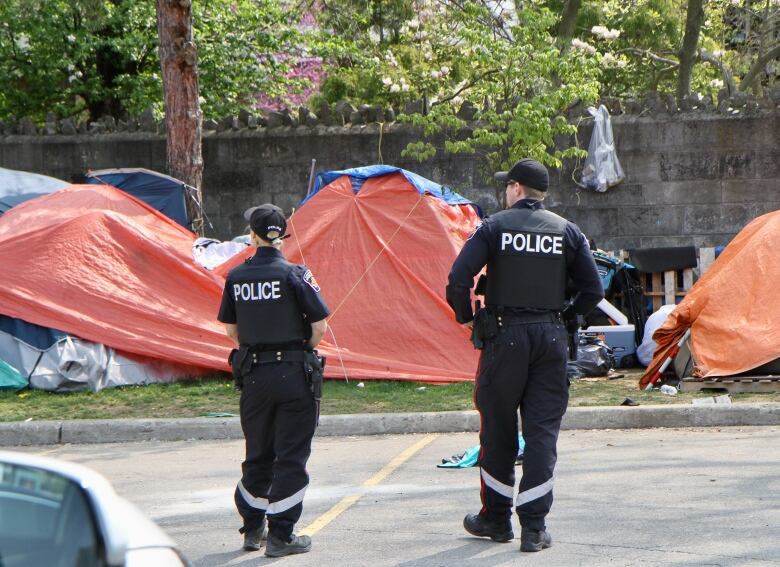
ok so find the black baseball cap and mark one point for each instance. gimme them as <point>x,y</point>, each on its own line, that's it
<point>528,172</point>
<point>266,221</point>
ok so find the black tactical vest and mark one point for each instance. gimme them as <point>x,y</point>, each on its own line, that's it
<point>267,311</point>
<point>527,266</point>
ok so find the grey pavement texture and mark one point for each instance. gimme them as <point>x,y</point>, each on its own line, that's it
<point>640,498</point>
<point>122,430</point>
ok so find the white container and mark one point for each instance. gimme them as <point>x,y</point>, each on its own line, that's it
<point>620,338</point>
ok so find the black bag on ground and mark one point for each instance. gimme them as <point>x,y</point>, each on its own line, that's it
<point>594,358</point>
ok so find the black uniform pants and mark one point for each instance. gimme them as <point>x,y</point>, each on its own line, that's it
<point>278,417</point>
<point>523,367</point>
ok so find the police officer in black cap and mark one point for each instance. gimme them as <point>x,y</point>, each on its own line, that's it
<point>530,253</point>
<point>274,311</point>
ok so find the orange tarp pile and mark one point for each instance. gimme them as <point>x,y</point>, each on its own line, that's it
<point>381,257</point>
<point>99,264</point>
<point>733,309</point>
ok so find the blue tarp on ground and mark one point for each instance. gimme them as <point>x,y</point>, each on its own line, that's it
<point>359,174</point>
<point>157,190</point>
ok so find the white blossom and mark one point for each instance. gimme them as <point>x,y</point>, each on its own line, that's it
<point>391,59</point>
<point>71,67</point>
<point>605,33</point>
<point>414,24</point>
<point>395,88</point>
<point>445,71</point>
<point>387,81</point>
<point>716,83</point>
<point>581,45</point>
<point>428,55</point>
<point>435,74</point>
<point>405,88</point>
<point>72,38</point>
<point>23,42</point>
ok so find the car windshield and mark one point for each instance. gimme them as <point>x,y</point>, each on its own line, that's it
<point>45,519</point>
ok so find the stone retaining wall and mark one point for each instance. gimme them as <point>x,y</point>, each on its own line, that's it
<point>691,178</point>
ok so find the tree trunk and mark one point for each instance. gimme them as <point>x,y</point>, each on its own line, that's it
<point>688,52</point>
<point>568,23</point>
<point>183,119</point>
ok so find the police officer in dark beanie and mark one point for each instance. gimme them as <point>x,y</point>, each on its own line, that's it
<point>529,252</point>
<point>274,311</point>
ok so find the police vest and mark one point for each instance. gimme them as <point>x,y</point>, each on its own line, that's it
<point>528,262</point>
<point>267,311</point>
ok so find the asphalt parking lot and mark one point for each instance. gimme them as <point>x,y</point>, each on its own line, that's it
<point>654,497</point>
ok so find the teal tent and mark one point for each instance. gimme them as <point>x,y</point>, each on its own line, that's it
<point>10,379</point>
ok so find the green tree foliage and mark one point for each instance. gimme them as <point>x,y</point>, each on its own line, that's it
<point>503,64</point>
<point>87,58</point>
<point>639,42</point>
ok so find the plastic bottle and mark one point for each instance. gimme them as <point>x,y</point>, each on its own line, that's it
<point>668,390</point>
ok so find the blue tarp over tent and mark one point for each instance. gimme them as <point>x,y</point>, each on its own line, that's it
<point>157,190</point>
<point>36,336</point>
<point>359,174</point>
<point>10,201</point>
<point>19,186</point>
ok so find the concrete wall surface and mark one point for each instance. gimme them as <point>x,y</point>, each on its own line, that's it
<point>690,178</point>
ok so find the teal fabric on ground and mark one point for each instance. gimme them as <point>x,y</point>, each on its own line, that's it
<point>471,455</point>
<point>10,379</point>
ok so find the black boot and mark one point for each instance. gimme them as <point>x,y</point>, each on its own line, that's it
<point>534,540</point>
<point>254,539</point>
<point>277,547</point>
<point>478,526</point>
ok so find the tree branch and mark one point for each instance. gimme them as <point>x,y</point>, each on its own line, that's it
<point>758,66</point>
<point>467,86</point>
<point>650,55</point>
<point>728,78</point>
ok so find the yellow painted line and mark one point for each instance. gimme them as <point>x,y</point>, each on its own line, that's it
<point>346,502</point>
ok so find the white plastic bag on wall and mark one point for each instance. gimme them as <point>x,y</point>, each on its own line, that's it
<point>602,168</point>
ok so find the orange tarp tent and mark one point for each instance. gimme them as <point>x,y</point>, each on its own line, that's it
<point>733,309</point>
<point>98,263</point>
<point>380,242</point>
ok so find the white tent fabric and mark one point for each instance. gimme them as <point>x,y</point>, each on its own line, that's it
<point>75,364</point>
<point>14,182</point>
<point>644,352</point>
<point>210,253</point>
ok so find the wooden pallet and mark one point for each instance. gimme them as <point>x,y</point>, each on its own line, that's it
<point>734,384</point>
<point>667,288</point>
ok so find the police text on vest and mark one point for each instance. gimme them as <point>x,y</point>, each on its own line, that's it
<point>532,242</point>
<point>256,291</point>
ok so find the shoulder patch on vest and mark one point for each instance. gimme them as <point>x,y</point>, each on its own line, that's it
<point>308,277</point>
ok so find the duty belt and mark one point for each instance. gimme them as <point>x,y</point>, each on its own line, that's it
<point>511,319</point>
<point>266,356</point>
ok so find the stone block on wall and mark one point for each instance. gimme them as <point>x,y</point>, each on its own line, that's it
<point>726,218</point>
<point>680,166</point>
<point>682,192</point>
<point>750,190</point>
<point>595,223</point>
<point>650,220</point>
